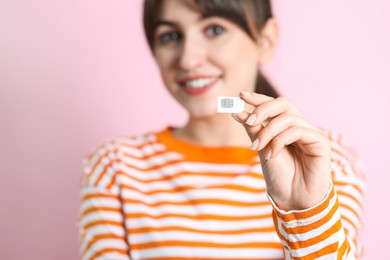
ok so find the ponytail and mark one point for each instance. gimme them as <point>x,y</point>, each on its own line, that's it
<point>263,86</point>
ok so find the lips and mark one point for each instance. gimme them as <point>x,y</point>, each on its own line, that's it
<point>198,85</point>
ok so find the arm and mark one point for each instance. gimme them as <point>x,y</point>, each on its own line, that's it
<point>297,159</point>
<point>333,226</point>
<point>100,221</point>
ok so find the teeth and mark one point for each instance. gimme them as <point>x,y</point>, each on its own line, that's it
<point>199,83</point>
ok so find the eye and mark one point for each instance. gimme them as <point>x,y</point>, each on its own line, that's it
<point>214,30</point>
<point>169,36</point>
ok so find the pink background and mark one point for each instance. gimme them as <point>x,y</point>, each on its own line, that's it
<point>74,73</point>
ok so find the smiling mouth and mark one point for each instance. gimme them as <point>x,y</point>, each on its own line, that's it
<point>198,86</point>
<point>199,83</point>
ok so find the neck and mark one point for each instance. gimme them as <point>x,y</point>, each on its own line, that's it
<point>218,130</point>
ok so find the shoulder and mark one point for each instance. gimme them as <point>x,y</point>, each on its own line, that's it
<point>103,161</point>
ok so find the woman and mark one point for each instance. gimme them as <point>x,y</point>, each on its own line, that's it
<point>199,192</point>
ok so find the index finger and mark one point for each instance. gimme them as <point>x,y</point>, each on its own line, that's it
<point>254,99</point>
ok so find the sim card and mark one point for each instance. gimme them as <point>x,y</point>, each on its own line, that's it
<point>230,105</point>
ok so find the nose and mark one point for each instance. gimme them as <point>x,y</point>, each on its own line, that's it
<point>192,53</point>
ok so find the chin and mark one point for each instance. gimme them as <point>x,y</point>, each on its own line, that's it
<point>202,112</point>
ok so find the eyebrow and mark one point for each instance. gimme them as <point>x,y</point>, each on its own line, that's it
<point>162,22</point>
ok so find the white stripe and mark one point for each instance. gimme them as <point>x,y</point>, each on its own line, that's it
<point>346,213</point>
<point>309,220</point>
<point>287,254</point>
<point>337,159</point>
<point>351,230</point>
<point>99,202</point>
<point>207,253</point>
<point>223,194</point>
<point>91,190</point>
<point>152,161</point>
<point>282,232</point>
<point>317,231</point>
<point>328,256</point>
<point>87,236</point>
<point>96,173</point>
<point>113,256</point>
<point>198,237</point>
<point>351,203</point>
<point>107,177</point>
<point>336,237</point>
<point>243,180</point>
<point>206,225</point>
<point>105,243</point>
<point>221,210</point>
<point>351,190</point>
<point>101,215</point>
<point>137,140</point>
<point>143,151</point>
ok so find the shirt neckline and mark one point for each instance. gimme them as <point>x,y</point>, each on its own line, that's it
<point>212,154</point>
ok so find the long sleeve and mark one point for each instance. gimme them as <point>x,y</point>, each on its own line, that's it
<point>101,222</point>
<point>332,228</point>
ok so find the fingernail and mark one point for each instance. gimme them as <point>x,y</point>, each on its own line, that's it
<point>268,155</point>
<point>251,120</point>
<point>255,144</point>
<point>245,93</point>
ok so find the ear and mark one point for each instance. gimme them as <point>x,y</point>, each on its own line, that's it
<point>267,41</point>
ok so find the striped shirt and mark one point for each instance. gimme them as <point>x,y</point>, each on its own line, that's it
<point>153,196</point>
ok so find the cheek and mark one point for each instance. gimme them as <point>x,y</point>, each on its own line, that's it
<point>240,67</point>
<point>165,59</point>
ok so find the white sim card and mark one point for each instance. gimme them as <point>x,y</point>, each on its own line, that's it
<point>230,105</point>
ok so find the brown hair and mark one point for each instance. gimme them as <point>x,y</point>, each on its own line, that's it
<point>249,15</point>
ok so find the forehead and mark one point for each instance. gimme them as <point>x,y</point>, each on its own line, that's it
<point>178,10</point>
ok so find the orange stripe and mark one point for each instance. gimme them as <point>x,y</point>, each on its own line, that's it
<point>348,157</point>
<point>342,183</point>
<point>353,211</point>
<point>190,244</point>
<point>112,181</point>
<point>281,237</point>
<point>104,171</point>
<point>144,157</point>
<point>198,217</point>
<point>138,146</point>
<point>107,250</point>
<point>349,221</point>
<point>96,209</point>
<point>154,167</point>
<point>343,249</point>
<point>188,188</point>
<point>98,196</point>
<point>180,174</point>
<point>200,202</point>
<point>309,213</point>
<point>324,251</point>
<point>315,240</point>
<point>103,222</point>
<point>350,196</point>
<point>314,225</point>
<point>191,258</point>
<point>96,238</point>
<point>219,232</point>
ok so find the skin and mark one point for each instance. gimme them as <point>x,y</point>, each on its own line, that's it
<point>295,154</point>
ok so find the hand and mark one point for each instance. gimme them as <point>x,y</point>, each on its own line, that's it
<point>294,154</point>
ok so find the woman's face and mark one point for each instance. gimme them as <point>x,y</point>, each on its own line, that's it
<point>202,58</point>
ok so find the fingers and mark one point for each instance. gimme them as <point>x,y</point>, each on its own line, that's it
<point>279,124</point>
<point>314,142</point>
<point>269,121</point>
<point>269,108</point>
<point>254,99</point>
